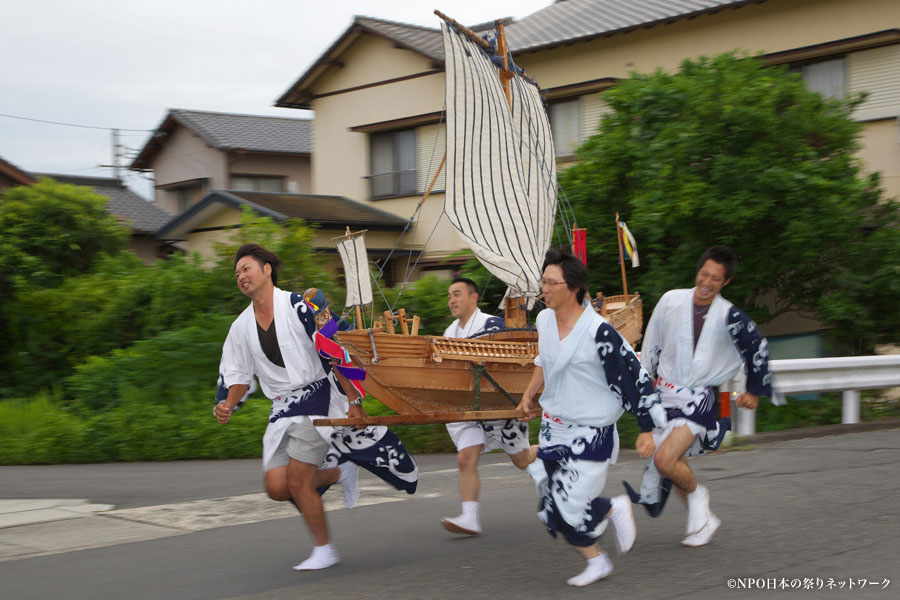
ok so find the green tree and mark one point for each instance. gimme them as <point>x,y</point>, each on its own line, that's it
<point>728,150</point>
<point>52,231</point>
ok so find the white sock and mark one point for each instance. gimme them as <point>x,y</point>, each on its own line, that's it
<point>322,557</point>
<point>349,480</point>
<point>597,568</point>
<point>470,510</point>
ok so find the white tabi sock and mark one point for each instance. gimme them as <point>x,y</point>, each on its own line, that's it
<point>467,523</point>
<point>597,568</point>
<point>349,480</point>
<point>322,557</point>
<point>622,519</point>
<point>698,509</point>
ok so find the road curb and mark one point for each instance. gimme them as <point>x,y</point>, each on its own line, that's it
<point>798,433</point>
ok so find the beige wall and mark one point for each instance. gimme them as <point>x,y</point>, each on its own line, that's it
<point>186,156</point>
<point>145,249</point>
<point>341,160</point>
<point>768,27</point>
<point>881,152</point>
<point>294,168</point>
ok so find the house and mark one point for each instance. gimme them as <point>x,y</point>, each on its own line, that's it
<point>378,90</point>
<point>143,216</point>
<point>209,166</point>
<point>206,222</point>
<point>11,176</point>
<point>193,152</point>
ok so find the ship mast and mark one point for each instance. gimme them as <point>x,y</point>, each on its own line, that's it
<point>515,315</point>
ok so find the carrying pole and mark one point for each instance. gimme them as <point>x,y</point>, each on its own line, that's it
<point>621,255</point>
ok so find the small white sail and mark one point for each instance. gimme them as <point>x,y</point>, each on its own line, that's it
<point>353,254</point>
<point>501,169</point>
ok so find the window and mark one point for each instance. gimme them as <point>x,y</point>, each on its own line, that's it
<point>257,183</point>
<point>393,170</point>
<point>564,127</point>
<point>828,77</point>
<point>184,198</point>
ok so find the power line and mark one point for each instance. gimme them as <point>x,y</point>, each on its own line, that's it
<point>70,124</point>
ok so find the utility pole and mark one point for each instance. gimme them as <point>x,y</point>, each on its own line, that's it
<point>116,154</point>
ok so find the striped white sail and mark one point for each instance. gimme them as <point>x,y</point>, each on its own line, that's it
<point>501,170</point>
<point>356,269</point>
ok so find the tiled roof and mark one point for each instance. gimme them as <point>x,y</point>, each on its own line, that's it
<point>253,133</point>
<point>580,20</point>
<point>563,22</point>
<point>145,217</point>
<point>229,131</point>
<point>329,211</point>
<point>424,40</point>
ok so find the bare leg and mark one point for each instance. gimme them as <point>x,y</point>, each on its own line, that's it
<point>301,479</point>
<point>588,552</point>
<point>670,462</point>
<point>275,482</point>
<point>467,523</point>
<point>524,458</point>
<point>469,484</point>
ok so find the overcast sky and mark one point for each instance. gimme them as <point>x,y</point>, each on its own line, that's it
<point>122,64</point>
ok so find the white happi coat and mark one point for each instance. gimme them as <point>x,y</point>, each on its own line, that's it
<point>243,357</point>
<point>668,347</point>
<point>575,386</point>
<point>475,324</point>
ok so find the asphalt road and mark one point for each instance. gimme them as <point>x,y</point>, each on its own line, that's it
<point>824,510</point>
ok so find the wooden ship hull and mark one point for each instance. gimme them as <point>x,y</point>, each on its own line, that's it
<point>433,379</point>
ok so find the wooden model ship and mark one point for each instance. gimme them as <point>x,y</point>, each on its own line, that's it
<point>501,195</point>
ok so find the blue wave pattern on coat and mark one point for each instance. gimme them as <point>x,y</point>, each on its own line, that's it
<point>378,450</point>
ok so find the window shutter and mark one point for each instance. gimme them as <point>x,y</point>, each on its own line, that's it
<point>564,127</point>
<point>593,107</point>
<point>876,71</point>
<point>431,147</point>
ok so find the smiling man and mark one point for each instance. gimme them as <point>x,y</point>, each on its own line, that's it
<point>695,341</point>
<point>273,339</point>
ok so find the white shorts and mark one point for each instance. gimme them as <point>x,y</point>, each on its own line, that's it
<point>507,435</point>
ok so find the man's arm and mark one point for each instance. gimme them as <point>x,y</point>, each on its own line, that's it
<point>630,382</point>
<point>234,369</point>
<point>754,350</point>
<point>355,410</point>
<point>223,410</point>
<point>535,384</point>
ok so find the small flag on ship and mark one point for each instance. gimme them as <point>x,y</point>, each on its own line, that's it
<point>579,244</point>
<point>629,245</point>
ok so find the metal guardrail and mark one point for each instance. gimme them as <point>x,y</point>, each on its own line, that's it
<point>847,374</point>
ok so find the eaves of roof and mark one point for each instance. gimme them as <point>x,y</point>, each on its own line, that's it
<point>15,173</point>
<point>328,211</point>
